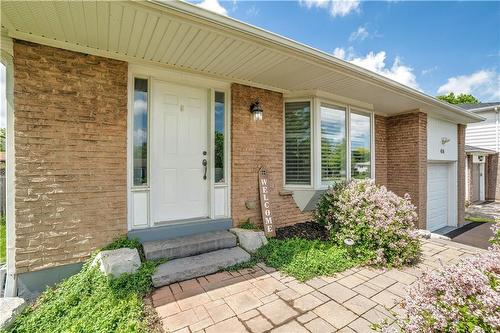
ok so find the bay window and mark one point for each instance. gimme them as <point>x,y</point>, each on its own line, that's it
<point>333,144</point>
<point>360,144</point>
<point>326,143</point>
<point>298,143</point>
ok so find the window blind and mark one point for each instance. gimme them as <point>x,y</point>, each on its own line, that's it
<point>298,143</point>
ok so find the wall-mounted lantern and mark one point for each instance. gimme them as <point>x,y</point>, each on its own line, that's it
<point>256,111</point>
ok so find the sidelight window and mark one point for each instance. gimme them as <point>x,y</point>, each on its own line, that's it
<point>140,139</point>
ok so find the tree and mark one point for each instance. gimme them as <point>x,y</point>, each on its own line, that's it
<point>459,99</point>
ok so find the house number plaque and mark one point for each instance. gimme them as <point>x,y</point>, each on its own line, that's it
<point>265,203</point>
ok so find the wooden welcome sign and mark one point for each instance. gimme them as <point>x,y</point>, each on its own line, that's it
<point>265,204</point>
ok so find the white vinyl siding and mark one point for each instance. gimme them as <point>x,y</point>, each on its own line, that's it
<point>298,143</point>
<point>484,134</point>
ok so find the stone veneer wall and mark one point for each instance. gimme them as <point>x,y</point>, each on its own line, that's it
<point>254,144</point>
<point>71,152</point>
<point>406,144</point>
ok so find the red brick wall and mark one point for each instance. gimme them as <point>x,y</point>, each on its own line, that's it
<point>380,150</point>
<point>461,173</point>
<point>254,144</point>
<point>407,159</point>
<point>70,142</point>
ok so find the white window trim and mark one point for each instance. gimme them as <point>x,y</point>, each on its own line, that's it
<point>316,102</point>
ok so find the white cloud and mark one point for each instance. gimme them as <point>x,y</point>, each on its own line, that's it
<point>214,6</point>
<point>252,11</point>
<point>429,70</point>
<point>360,34</point>
<point>336,7</point>
<point>484,84</point>
<point>375,62</point>
<point>315,3</point>
<point>343,8</point>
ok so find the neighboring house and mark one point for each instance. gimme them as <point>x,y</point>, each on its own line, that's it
<point>482,141</point>
<point>141,118</point>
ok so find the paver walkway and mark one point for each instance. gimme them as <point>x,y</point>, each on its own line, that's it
<point>263,300</point>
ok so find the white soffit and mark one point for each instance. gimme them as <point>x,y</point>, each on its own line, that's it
<point>185,37</point>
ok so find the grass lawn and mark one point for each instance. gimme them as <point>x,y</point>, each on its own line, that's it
<point>3,244</point>
<point>91,302</point>
<point>479,219</point>
<point>303,259</point>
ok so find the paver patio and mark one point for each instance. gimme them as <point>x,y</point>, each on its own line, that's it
<point>261,299</point>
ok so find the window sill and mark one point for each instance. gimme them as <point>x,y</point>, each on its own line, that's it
<point>286,193</point>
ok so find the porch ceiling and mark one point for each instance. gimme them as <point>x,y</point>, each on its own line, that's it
<point>185,37</point>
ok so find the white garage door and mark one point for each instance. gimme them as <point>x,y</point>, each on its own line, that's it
<point>438,188</point>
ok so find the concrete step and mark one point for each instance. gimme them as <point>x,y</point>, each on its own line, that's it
<point>186,246</point>
<point>195,266</point>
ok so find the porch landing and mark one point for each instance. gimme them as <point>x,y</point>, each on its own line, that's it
<point>180,229</point>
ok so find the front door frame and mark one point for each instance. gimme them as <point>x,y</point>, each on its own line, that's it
<point>143,192</point>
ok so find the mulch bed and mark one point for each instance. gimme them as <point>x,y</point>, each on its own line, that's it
<point>306,230</point>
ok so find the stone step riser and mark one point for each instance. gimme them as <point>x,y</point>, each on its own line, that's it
<point>195,266</point>
<point>188,246</point>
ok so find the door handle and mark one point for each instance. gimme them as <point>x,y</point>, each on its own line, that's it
<point>204,163</point>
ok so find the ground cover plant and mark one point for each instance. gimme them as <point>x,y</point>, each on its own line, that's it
<point>372,222</point>
<point>479,219</point>
<point>91,302</point>
<point>305,259</point>
<point>459,298</point>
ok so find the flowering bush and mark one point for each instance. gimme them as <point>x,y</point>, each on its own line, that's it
<point>372,221</point>
<point>460,298</point>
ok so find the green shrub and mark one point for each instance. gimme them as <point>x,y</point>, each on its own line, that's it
<point>91,302</point>
<point>372,222</point>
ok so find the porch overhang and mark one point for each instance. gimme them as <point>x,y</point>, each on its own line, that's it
<point>182,36</point>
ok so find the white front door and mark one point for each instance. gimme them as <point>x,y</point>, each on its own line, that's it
<point>179,189</point>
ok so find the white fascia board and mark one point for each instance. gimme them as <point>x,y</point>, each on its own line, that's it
<point>310,52</point>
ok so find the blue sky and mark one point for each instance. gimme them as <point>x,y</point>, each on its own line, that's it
<point>436,47</point>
